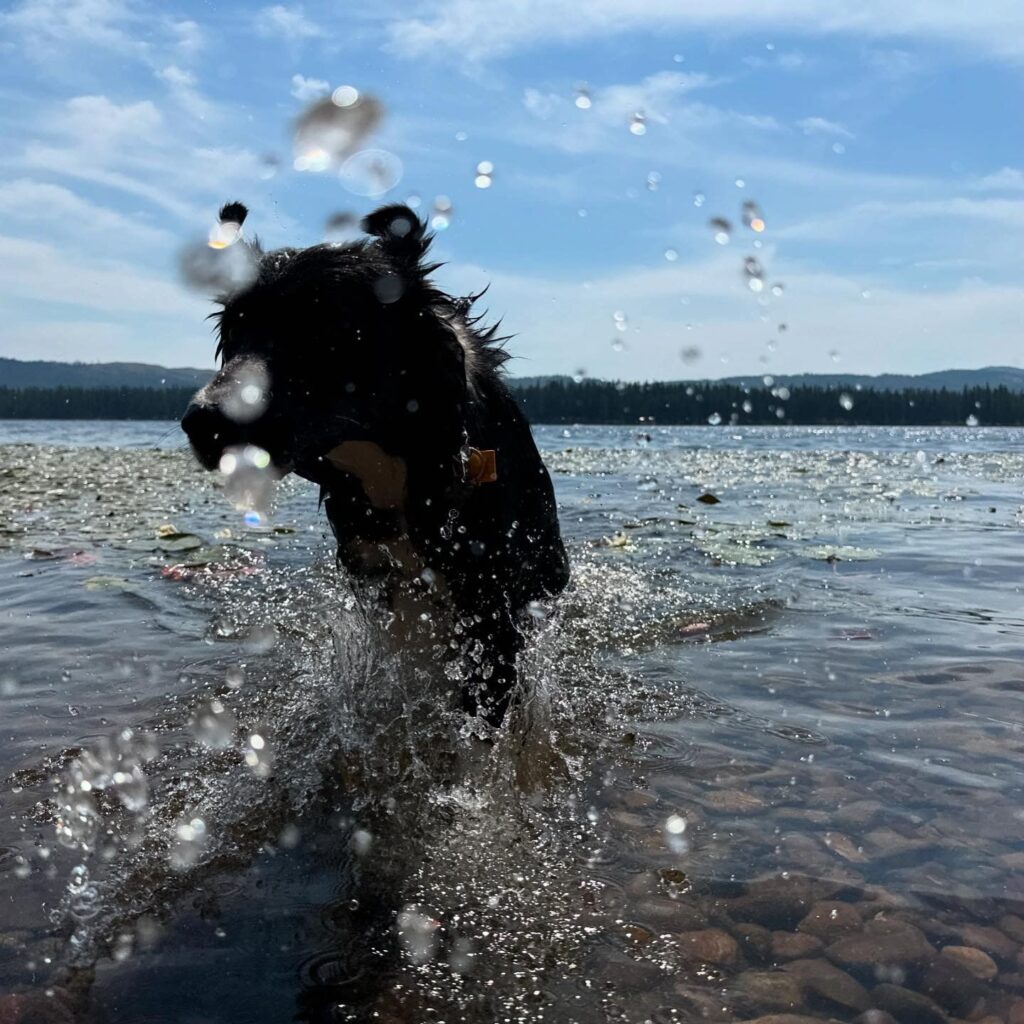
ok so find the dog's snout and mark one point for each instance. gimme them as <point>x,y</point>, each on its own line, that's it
<point>209,432</point>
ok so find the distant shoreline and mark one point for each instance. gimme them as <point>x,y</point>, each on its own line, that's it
<point>594,402</point>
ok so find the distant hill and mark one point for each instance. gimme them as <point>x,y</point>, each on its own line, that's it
<point>16,373</point>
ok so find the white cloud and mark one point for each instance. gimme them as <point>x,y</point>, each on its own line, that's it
<point>189,38</point>
<point>52,26</point>
<point>309,88</point>
<point>182,85</point>
<point>561,324</point>
<point>822,126</point>
<point>1007,179</point>
<point>477,31</point>
<point>864,218</point>
<point>46,273</point>
<point>289,23</point>
<point>55,212</point>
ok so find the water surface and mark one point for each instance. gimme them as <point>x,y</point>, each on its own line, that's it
<point>770,759</point>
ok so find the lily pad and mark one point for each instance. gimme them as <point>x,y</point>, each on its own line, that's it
<point>179,542</point>
<point>107,583</point>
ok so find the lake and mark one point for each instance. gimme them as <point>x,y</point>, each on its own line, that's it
<point>769,759</point>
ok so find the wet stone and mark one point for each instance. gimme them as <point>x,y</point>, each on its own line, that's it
<point>991,940</point>
<point>830,920</point>
<point>671,915</point>
<point>976,961</point>
<point>906,1006</point>
<point>784,1018</point>
<point>779,903</point>
<point>794,945</point>
<point>857,814</point>
<point>883,942</point>
<point>733,801</point>
<point>755,940</point>
<point>1013,926</point>
<point>710,946</point>
<point>758,991</point>
<point>953,987</point>
<point>828,988</point>
<point>875,1017</point>
<point>888,844</point>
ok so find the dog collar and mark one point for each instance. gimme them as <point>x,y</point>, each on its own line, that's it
<point>481,465</point>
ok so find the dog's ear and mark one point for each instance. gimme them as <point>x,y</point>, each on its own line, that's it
<point>233,213</point>
<point>403,236</point>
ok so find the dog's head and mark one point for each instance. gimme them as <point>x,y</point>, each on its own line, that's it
<point>337,343</point>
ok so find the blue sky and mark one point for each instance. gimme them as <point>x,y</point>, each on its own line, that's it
<point>881,140</point>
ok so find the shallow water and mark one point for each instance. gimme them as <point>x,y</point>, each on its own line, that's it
<point>770,760</point>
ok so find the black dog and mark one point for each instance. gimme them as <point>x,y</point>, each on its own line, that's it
<point>388,394</point>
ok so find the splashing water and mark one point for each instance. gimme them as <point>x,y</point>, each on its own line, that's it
<point>250,479</point>
<point>217,270</point>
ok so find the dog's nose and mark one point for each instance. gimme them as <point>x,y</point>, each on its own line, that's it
<point>209,432</point>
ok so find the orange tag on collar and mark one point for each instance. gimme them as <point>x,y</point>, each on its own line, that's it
<point>481,466</point>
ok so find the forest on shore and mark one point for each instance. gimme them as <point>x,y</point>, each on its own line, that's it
<point>606,402</point>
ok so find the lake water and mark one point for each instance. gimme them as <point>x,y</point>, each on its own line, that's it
<point>770,761</point>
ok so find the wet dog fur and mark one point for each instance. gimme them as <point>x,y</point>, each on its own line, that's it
<point>389,395</point>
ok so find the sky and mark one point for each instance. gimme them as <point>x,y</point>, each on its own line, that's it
<point>880,142</point>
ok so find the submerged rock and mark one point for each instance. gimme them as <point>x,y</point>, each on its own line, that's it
<point>976,961</point>
<point>906,1006</point>
<point>884,942</point>
<point>828,988</point>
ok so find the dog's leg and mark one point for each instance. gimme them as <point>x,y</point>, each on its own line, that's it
<point>488,653</point>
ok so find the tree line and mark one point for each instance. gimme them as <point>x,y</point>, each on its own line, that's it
<point>596,401</point>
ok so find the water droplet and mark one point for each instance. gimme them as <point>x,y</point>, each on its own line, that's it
<point>778,289</point>
<point>620,320</point>
<point>722,229</point>
<point>671,255</point>
<point>618,344</point>
<point>218,271</point>
<point>838,148</point>
<point>748,406</point>
<point>441,213</point>
<point>834,355</point>
<point>331,129</point>
<point>752,217</point>
<point>213,726</point>
<point>690,354</point>
<point>714,419</point>
<point>250,477</point>
<point>699,199</point>
<point>740,183</point>
<point>371,172</point>
<point>972,420</point>
<point>846,401</point>
<point>866,294</point>
<point>461,136</point>
<point>638,123</point>
<point>583,100</point>
<point>653,181</point>
<point>345,96</point>
<point>417,934</point>
<point>244,397</point>
<point>342,226</point>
